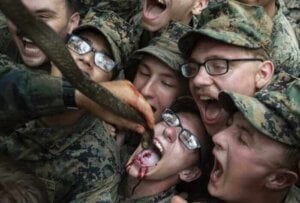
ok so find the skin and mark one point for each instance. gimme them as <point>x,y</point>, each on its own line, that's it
<point>269,5</point>
<point>156,17</point>
<point>206,88</point>
<point>55,14</point>
<point>245,164</point>
<point>166,172</point>
<point>159,84</point>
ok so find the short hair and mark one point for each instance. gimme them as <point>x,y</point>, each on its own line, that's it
<point>73,6</point>
<point>18,184</point>
<point>291,158</point>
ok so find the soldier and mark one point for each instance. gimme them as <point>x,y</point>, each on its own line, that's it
<point>180,145</point>
<point>61,16</point>
<point>259,150</point>
<point>73,152</point>
<point>230,52</point>
<point>285,52</point>
<point>157,14</point>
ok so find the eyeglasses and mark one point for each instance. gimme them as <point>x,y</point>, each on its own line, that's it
<point>81,47</point>
<point>213,67</point>
<point>189,140</point>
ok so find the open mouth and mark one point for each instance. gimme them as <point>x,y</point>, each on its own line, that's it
<point>154,8</point>
<point>211,110</point>
<point>150,157</point>
<point>217,171</point>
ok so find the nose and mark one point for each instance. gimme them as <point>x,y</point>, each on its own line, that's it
<point>202,78</point>
<point>147,88</point>
<point>220,140</point>
<point>170,134</point>
<point>88,61</point>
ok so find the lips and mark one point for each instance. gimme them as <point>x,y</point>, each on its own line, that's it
<point>30,49</point>
<point>153,9</point>
<point>211,111</point>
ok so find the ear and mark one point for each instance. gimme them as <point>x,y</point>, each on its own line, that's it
<point>190,174</point>
<point>199,5</point>
<point>73,21</point>
<point>281,179</point>
<point>264,74</point>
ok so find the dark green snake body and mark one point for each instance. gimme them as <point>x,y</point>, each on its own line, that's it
<point>54,47</point>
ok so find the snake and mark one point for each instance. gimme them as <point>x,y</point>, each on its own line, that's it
<point>53,46</point>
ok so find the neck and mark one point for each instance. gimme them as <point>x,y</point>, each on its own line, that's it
<point>64,119</point>
<point>270,9</point>
<point>137,188</point>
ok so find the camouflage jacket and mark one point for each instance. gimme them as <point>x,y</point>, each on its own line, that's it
<point>142,36</point>
<point>23,96</point>
<point>124,8</point>
<point>285,50</point>
<point>292,11</point>
<point>293,196</point>
<point>163,197</point>
<point>78,164</point>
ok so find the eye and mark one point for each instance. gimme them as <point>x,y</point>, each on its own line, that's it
<point>143,71</point>
<point>168,83</point>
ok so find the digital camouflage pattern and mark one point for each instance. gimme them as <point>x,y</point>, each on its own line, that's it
<point>142,36</point>
<point>124,8</point>
<point>79,163</point>
<point>285,52</point>
<point>163,197</point>
<point>292,11</point>
<point>274,111</point>
<point>115,29</point>
<point>234,23</point>
<point>26,95</point>
<point>163,46</point>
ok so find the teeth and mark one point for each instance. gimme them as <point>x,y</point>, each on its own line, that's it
<point>158,145</point>
<point>162,2</point>
<point>205,98</point>
<point>27,40</point>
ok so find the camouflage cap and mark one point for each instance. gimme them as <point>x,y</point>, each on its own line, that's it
<point>163,46</point>
<point>116,30</point>
<point>233,23</point>
<point>274,111</point>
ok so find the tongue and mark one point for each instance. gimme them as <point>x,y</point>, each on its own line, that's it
<point>212,111</point>
<point>153,11</point>
<point>147,158</point>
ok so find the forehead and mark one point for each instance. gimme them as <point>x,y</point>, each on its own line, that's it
<point>35,5</point>
<point>208,47</point>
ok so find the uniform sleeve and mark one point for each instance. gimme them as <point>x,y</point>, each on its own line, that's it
<point>25,95</point>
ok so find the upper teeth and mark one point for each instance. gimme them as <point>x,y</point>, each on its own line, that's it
<point>26,39</point>
<point>158,145</point>
<point>162,2</point>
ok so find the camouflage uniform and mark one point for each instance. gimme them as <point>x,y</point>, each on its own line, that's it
<point>285,52</point>
<point>79,162</point>
<point>124,8</point>
<point>292,11</point>
<point>23,96</point>
<point>142,36</point>
<point>274,112</point>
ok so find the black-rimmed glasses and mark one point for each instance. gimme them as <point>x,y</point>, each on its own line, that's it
<point>81,47</point>
<point>213,67</point>
<point>189,140</point>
